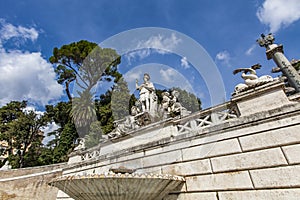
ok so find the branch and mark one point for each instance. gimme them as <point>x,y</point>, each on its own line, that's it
<point>76,72</point>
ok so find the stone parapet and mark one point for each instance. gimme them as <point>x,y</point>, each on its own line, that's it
<point>29,183</point>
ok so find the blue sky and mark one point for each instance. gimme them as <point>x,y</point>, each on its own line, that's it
<point>227,30</point>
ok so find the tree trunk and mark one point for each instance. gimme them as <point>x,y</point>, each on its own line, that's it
<point>68,91</point>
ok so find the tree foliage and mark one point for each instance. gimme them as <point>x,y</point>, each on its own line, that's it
<point>104,112</point>
<point>65,136</point>
<point>120,100</point>
<point>100,65</point>
<point>187,99</point>
<point>94,136</point>
<point>69,59</point>
<point>297,66</point>
<point>113,105</point>
<point>21,129</point>
<point>85,62</point>
<point>83,111</point>
<point>66,143</point>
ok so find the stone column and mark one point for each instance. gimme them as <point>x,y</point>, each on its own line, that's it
<point>275,52</point>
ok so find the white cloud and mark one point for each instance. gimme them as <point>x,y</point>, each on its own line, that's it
<point>131,76</point>
<point>278,13</point>
<point>27,76</point>
<point>161,75</point>
<point>159,44</point>
<point>184,63</point>
<point>172,78</point>
<point>31,108</point>
<point>250,50</point>
<point>141,54</point>
<point>9,31</point>
<point>48,129</point>
<point>168,75</point>
<point>223,57</point>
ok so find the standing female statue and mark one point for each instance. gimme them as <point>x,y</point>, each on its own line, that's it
<point>147,91</point>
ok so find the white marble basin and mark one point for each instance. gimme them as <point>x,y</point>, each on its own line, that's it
<point>113,186</point>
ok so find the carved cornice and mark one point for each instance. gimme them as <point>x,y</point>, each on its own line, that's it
<point>272,51</point>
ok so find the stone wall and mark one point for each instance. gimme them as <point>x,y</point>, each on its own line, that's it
<point>254,156</point>
<point>29,183</point>
<point>257,162</point>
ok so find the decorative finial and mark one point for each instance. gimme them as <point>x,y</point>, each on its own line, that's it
<point>265,41</point>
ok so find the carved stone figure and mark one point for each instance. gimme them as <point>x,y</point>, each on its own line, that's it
<point>146,111</point>
<point>81,145</point>
<point>165,105</point>
<point>147,94</point>
<point>6,166</point>
<point>175,106</point>
<point>143,119</point>
<point>165,101</point>
<point>135,110</point>
<point>170,106</point>
<point>123,126</point>
<point>250,78</point>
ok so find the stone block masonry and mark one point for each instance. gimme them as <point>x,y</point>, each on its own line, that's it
<point>29,183</point>
<point>253,156</point>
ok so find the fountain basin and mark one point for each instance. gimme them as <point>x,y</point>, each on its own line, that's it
<point>118,186</point>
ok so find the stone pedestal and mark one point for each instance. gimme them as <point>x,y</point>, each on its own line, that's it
<point>75,159</point>
<point>265,97</point>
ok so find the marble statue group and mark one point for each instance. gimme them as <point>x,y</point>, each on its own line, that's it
<point>147,110</point>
